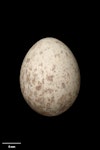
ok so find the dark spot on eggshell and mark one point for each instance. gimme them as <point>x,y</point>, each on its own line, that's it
<point>30,94</point>
<point>28,78</point>
<point>45,113</point>
<point>76,70</point>
<point>35,93</point>
<point>33,81</point>
<point>56,41</point>
<point>63,108</point>
<point>48,105</point>
<point>52,99</point>
<point>38,87</point>
<point>71,64</point>
<point>66,54</point>
<point>34,78</point>
<point>41,52</point>
<point>43,81</point>
<point>42,71</point>
<point>67,82</point>
<point>58,87</point>
<point>57,55</point>
<point>37,100</point>
<point>68,75</point>
<point>35,69</point>
<point>26,71</point>
<point>70,95</point>
<point>49,77</point>
<point>41,64</point>
<point>27,60</point>
<point>40,95</point>
<point>48,99</point>
<point>62,104</point>
<point>49,90</point>
<point>30,68</point>
<point>40,101</point>
<point>35,75</point>
<point>63,85</point>
<point>39,82</point>
<point>62,98</point>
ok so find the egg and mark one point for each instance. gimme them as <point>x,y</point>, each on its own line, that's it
<point>49,77</point>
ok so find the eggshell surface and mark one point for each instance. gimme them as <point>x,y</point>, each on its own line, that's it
<point>49,77</point>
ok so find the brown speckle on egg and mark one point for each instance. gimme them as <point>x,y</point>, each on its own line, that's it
<point>67,82</point>
<point>49,90</point>
<point>41,64</point>
<point>48,99</point>
<point>27,78</point>
<point>38,87</point>
<point>49,77</point>
<point>33,80</point>
<point>30,68</point>
<point>66,54</point>
<point>35,93</point>
<point>35,69</point>
<point>52,99</point>
<point>63,85</point>
<point>30,95</point>
<point>42,71</point>
<point>63,108</point>
<point>57,55</point>
<point>27,60</point>
<point>61,99</point>
<point>70,95</point>
<point>68,75</point>
<point>48,105</point>
<point>37,100</point>
<point>41,52</point>
<point>43,81</point>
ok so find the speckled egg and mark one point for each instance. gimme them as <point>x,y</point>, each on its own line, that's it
<point>49,77</point>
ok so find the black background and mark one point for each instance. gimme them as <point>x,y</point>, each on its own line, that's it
<point>21,26</point>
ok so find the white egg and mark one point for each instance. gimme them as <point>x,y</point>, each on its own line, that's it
<point>49,77</point>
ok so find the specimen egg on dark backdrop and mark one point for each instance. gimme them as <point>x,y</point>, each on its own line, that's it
<point>49,77</point>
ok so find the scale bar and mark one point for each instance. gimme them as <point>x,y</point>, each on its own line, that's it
<point>11,142</point>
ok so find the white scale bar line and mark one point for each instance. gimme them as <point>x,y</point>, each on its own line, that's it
<point>11,143</point>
